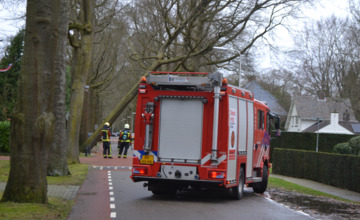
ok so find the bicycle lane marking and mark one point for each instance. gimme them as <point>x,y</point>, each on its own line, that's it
<point>112,198</point>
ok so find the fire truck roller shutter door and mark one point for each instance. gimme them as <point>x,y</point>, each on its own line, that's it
<point>180,129</point>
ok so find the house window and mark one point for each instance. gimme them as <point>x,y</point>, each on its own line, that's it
<point>295,121</point>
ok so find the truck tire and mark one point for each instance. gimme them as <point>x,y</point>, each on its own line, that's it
<point>261,186</point>
<point>238,191</point>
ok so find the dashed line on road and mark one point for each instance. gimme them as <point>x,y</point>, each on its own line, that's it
<point>111,167</point>
<point>111,193</point>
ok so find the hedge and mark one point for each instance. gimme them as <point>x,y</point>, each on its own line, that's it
<point>4,136</point>
<point>337,170</point>
<point>307,141</point>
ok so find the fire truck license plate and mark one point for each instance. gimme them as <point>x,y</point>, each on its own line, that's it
<point>147,159</point>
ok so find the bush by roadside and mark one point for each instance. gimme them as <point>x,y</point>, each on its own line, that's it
<point>350,147</point>
<point>342,148</point>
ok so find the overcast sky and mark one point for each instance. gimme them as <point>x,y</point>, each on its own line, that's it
<point>10,23</point>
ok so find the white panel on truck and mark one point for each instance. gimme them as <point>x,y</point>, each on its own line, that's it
<point>180,129</point>
<point>250,140</point>
<point>232,139</point>
<point>242,125</point>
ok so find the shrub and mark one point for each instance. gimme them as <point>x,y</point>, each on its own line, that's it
<point>342,148</point>
<point>355,145</point>
<point>4,136</point>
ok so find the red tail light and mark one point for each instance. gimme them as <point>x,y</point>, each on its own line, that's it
<point>216,174</point>
<point>139,170</point>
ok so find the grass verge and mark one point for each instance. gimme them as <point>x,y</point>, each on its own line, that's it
<point>77,177</point>
<point>55,209</point>
<point>285,185</point>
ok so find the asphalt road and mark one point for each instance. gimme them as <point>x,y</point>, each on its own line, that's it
<point>133,201</point>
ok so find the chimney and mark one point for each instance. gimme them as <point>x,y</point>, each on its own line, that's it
<point>321,95</point>
<point>334,118</point>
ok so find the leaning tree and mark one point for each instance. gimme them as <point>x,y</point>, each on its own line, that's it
<point>180,35</point>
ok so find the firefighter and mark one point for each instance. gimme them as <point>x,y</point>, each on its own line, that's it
<point>124,141</point>
<point>105,133</point>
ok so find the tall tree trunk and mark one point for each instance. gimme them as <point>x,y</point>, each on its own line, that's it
<point>82,43</point>
<point>34,121</point>
<point>57,165</point>
<point>84,129</point>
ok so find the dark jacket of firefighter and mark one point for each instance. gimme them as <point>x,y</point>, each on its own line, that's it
<point>105,133</point>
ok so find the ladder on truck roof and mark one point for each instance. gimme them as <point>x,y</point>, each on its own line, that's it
<point>178,78</point>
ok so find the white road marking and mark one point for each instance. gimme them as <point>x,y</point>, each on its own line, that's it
<point>111,193</point>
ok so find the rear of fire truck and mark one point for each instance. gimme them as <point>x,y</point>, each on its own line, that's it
<point>183,137</point>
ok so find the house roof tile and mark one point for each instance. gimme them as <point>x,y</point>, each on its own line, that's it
<point>262,95</point>
<point>310,107</point>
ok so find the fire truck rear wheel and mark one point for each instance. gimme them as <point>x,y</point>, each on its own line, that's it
<point>238,191</point>
<point>261,186</point>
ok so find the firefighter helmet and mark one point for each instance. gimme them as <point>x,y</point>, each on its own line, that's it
<point>107,123</point>
<point>126,126</point>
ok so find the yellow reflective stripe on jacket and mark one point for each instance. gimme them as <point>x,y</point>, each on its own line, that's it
<point>107,135</point>
<point>127,140</point>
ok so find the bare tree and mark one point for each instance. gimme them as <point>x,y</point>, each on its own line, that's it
<point>81,39</point>
<point>354,6</point>
<point>179,35</point>
<point>109,59</point>
<point>318,47</point>
<point>37,113</point>
<point>327,60</point>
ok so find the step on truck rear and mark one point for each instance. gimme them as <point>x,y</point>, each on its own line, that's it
<point>195,131</point>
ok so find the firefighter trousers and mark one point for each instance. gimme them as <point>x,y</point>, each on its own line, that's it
<point>106,149</point>
<point>124,146</point>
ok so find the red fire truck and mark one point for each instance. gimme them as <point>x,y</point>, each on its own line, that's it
<point>195,131</point>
